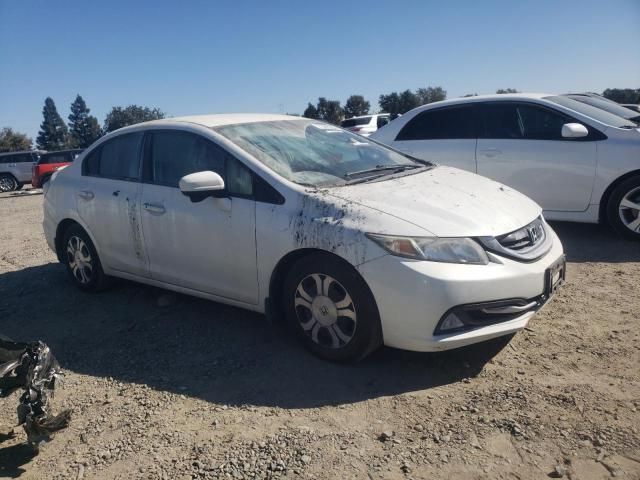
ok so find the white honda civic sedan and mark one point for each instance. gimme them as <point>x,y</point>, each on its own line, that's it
<point>354,244</point>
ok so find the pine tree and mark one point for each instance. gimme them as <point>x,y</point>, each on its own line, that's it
<point>53,134</point>
<point>83,128</point>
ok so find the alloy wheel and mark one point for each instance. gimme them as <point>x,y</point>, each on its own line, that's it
<point>79,259</point>
<point>325,311</point>
<point>7,183</point>
<point>629,210</point>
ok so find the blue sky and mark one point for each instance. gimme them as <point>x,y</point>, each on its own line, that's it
<point>193,57</point>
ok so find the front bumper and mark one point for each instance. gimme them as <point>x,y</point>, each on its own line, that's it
<point>414,296</point>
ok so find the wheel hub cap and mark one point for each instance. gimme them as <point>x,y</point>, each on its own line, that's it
<point>629,210</point>
<point>80,261</point>
<point>325,311</point>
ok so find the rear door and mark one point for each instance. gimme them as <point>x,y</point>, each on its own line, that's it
<point>108,202</point>
<point>521,145</point>
<point>443,135</point>
<point>21,167</point>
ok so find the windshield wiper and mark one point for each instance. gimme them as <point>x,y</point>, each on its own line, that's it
<point>382,168</point>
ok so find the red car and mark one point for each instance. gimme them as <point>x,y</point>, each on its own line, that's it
<point>49,163</point>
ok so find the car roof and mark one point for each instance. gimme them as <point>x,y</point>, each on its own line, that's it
<point>221,119</point>
<point>42,154</point>
<point>497,96</point>
<point>20,152</point>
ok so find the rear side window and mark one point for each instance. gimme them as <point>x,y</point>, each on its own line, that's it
<point>118,158</point>
<point>18,158</point>
<point>440,124</point>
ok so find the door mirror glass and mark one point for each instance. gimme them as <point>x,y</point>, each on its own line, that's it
<point>574,130</point>
<point>200,185</point>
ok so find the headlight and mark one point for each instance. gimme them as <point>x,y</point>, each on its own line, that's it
<point>449,250</point>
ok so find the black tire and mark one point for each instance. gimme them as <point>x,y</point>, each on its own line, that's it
<point>44,180</point>
<point>8,182</point>
<point>623,219</point>
<point>19,187</point>
<point>85,271</point>
<point>355,331</point>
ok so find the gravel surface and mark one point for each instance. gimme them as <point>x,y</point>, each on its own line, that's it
<point>173,387</point>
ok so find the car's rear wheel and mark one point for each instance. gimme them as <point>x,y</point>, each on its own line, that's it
<point>81,260</point>
<point>623,208</point>
<point>330,307</point>
<point>8,182</point>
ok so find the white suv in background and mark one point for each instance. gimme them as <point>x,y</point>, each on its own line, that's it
<point>15,169</point>
<point>579,162</point>
<point>365,125</point>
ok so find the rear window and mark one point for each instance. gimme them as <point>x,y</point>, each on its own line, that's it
<point>55,158</point>
<point>354,122</point>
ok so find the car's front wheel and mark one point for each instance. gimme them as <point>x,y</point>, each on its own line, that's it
<point>8,183</point>
<point>331,308</point>
<point>623,208</point>
<point>81,260</point>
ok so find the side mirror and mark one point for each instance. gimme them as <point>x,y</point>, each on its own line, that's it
<point>574,130</point>
<point>201,185</point>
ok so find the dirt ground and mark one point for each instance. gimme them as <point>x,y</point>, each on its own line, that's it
<point>169,386</point>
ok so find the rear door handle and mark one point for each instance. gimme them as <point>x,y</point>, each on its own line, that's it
<point>86,194</point>
<point>154,208</point>
<point>491,152</point>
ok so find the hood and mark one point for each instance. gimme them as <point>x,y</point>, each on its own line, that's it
<point>446,202</point>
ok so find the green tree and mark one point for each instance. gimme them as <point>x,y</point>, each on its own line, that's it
<point>311,112</point>
<point>11,141</point>
<point>623,95</point>
<point>355,106</point>
<point>83,128</point>
<point>430,95</point>
<point>507,90</point>
<point>120,117</point>
<point>329,111</point>
<point>396,103</point>
<point>53,134</point>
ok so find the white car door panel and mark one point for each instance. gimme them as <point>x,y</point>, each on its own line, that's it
<point>558,175</point>
<point>110,206</point>
<point>208,245</point>
<point>459,153</point>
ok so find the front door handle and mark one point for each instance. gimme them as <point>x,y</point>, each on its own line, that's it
<point>491,152</point>
<point>86,194</point>
<point>154,208</point>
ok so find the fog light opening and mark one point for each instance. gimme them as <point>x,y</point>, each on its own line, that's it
<point>451,322</point>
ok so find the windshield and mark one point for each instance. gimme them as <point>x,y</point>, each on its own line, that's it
<point>313,153</point>
<point>596,113</point>
<point>607,105</point>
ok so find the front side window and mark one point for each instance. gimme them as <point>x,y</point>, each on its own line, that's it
<point>440,124</point>
<point>175,154</point>
<point>118,158</point>
<point>520,121</point>
<point>309,152</point>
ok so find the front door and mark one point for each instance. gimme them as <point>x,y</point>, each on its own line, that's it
<point>210,245</point>
<point>108,203</point>
<point>521,145</point>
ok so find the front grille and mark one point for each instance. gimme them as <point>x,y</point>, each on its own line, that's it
<point>524,238</point>
<point>526,244</point>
